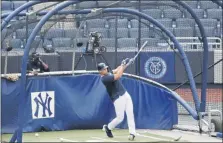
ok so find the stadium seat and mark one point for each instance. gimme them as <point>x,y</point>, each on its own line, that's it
<point>166,22</point>
<point>103,31</point>
<point>198,12</point>
<point>95,23</point>
<point>214,13</point>
<point>135,23</point>
<point>37,43</point>
<point>155,13</point>
<point>184,32</point>
<point>71,33</point>
<point>204,4</point>
<point>105,3</point>
<point>192,4</point>
<point>148,5</point>
<point>6,34</point>
<point>172,13</point>
<point>32,25</point>
<point>6,11</point>
<point>210,31</point>
<point>6,5</point>
<point>15,43</point>
<point>109,43</point>
<point>121,33</point>
<point>218,32</point>
<point>158,33</point>
<point>162,44</point>
<point>145,23</point>
<point>127,43</point>
<point>163,7</point>
<point>17,4</point>
<point>47,43</point>
<point>209,22</point>
<point>185,22</point>
<point>133,32</point>
<point>54,33</point>
<point>59,43</point>
<point>152,42</point>
<point>121,23</point>
<point>21,33</point>
<point>87,4</point>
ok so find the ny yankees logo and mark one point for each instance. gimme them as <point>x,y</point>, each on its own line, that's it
<point>45,105</point>
<point>42,104</point>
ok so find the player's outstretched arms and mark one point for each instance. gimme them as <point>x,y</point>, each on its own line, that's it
<point>116,70</point>
<point>119,72</point>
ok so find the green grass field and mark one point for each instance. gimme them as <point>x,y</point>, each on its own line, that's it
<point>88,136</point>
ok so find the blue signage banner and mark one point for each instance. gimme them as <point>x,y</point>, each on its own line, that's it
<point>158,66</point>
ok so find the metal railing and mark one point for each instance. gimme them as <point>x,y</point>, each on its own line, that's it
<point>214,43</point>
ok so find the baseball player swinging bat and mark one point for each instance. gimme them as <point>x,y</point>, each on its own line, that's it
<point>119,95</point>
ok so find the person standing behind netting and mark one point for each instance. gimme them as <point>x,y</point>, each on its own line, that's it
<point>121,99</point>
<point>36,65</point>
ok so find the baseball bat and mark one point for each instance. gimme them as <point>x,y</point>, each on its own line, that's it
<point>144,44</point>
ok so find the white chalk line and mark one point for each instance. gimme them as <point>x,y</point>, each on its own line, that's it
<point>67,140</point>
<point>93,141</point>
<point>175,138</point>
<point>155,138</point>
<point>159,139</point>
<point>102,139</point>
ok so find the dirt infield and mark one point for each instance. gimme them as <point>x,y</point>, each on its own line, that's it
<point>214,95</point>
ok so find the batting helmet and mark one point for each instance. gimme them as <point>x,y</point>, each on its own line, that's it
<point>102,66</point>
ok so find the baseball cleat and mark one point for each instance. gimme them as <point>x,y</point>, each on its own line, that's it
<point>131,137</point>
<point>108,132</point>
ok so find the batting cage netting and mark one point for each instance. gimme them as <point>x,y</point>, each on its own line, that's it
<point>75,43</point>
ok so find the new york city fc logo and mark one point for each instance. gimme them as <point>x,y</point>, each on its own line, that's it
<point>155,67</point>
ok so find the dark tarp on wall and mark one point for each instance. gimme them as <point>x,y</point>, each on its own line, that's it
<point>81,102</point>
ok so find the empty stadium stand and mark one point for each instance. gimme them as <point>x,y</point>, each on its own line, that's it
<point>179,22</point>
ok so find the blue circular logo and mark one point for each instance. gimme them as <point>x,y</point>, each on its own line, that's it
<point>155,67</point>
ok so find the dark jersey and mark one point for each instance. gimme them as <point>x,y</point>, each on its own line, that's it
<point>114,87</point>
<point>37,67</point>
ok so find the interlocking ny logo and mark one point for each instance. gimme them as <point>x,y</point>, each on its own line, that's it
<point>42,104</point>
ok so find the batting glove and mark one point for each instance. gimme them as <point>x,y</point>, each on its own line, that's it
<point>131,61</point>
<point>125,61</point>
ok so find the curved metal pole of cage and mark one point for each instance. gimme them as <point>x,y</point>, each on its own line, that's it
<point>205,54</point>
<point>18,133</point>
<point>18,10</point>
<point>107,10</point>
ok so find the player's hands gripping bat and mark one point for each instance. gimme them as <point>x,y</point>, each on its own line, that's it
<point>125,61</point>
<point>132,60</point>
